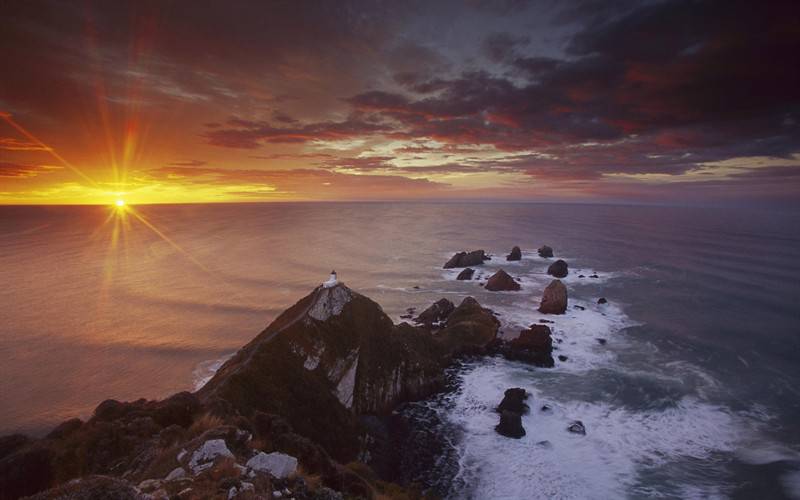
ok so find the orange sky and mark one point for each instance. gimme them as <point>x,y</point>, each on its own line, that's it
<point>363,101</point>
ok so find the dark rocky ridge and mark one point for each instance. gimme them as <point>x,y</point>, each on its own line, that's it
<point>298,388</point>
<point>465,259</point>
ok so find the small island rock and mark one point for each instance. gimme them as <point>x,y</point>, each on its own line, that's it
<point>502,281</point>
<point>554,298</point>
<point>516,254</point>
<point>545,251</point>
<point>559,269</point>
<point>466,274</point>
<point>464,259</point>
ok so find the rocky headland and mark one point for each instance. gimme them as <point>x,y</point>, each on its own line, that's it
<point>305,410</point>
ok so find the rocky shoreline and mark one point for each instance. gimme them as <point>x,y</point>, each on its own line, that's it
<point>306,410</point>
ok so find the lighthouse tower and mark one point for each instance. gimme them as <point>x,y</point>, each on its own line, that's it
<point>332,281</point>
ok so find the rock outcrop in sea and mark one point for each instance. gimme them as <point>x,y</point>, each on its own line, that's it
<point>545,251</point>
<point>559,269</point>
<point>467,259</point>
<point>502,281</point>
<point>516,254</point>
<point>554,298</point>
<point>292,400</point>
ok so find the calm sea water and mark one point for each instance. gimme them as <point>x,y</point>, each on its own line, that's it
<point>695,394</point>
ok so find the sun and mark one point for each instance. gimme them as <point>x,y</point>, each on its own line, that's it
<point>120,202</point>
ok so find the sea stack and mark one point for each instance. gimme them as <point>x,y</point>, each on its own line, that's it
<point>502,281</point>
<point>545,251</point>
<point>559,269</point>
<point>554,298</point>
<point>516,254</point>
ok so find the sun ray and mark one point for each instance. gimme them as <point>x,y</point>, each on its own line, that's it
<point>22,130</point>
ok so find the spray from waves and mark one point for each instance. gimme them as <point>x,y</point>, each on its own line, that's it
<point>550,462</point>
<point>652,430</point>
<point>205,370</point>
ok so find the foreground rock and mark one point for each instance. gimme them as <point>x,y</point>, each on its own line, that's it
<point>465,259</point>
<point>291,398</point>
<point>534,345</point>
<point>554,298</point>
<point>466,274</point>
<point>502,281</point>
<point>545,251</point>
<point>559,269</point>
<point>516,254</point>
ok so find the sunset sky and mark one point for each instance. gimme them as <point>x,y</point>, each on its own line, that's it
<point>187,101</point>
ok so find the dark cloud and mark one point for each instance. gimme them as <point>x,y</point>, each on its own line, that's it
<point>16,170</point>
<point>629,87</point>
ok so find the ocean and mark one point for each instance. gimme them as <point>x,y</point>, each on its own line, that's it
<point>694,394</point>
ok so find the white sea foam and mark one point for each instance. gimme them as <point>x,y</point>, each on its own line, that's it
<point>791,484</point>
<point>623,440</point>
<point>205,370</point>
<point>602,464</point>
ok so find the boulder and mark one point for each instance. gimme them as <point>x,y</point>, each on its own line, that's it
<point>279,465</point>
<point>510,425</point>
<point>436,314</point>
<point>502,281</point>
<point>602,300</point>
<point>534,345</point>
<point>577,427</point>
<point>562,358</point>
<point>466,274</point>
<point>514,401</point>
<point>559,269</point>
<point>545,251</point>
<point>554,298</point>
<point>516,254</point>
<point>466,259</point>
<point>204,456</point>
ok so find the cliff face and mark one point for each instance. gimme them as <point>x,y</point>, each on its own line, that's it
<point>334,355</point>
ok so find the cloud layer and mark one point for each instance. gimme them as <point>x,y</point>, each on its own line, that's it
<point>627,100</point>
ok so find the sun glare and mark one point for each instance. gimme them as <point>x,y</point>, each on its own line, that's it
<point>120,203</point>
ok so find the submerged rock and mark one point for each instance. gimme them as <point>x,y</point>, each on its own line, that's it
<point>545,251</point>
<point>577,427</point>
<point>559,269</point>
<point>554,298</point>
<point>466,274</point>
<point>502,281</point>
<point>602,300</point>
<point>436,313</point>
<point>516,254</point>
<point>464,259</point>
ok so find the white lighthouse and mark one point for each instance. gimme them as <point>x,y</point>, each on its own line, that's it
<point>332,281</point>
